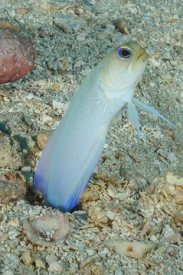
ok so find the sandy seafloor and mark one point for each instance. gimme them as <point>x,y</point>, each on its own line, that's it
<point>123,201</point>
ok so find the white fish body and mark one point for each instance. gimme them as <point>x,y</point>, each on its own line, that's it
<point>74,148</point>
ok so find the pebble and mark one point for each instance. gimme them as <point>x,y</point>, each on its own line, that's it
<point>81,37</point>
<point>10,158</point>
<point>90,252</point>
<point>22,11</point>
<point>42,139</point>
<point>112,192</point>
<point>12,189</point>
<point>40,264</point>
<point>12,234</point>
<point>69,23</point>
<point>26,258</point>
<point>55,267</point>
<point>57,104</point>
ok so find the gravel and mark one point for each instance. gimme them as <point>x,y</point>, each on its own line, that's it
<point>133,195</point>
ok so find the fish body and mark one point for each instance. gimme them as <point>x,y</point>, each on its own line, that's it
<point>74,148</point>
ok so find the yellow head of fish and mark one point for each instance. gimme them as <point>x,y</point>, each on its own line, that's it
<point>122,68</point>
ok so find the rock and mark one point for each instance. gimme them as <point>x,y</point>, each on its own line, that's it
<point>136,180</point>
<point>69,23</point>
<point>9,157</point>
<point>16,56</point>
<point>60,65</point>
<point>9,26</point>
<point>13,188</point>
<point>40,264</point>
<point>42,139</point>
<point>97,215</point>
<point>26,258</point>
<point>90,195</point>
<point>55,267</point>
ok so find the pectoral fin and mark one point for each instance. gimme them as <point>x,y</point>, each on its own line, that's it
<point>133,116</point>
<point>149,109</point>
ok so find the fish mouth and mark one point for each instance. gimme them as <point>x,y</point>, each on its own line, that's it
<point>142,53</point>
<point>140,58</point>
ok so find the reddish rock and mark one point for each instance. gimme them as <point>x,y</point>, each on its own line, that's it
<point>16,56</point>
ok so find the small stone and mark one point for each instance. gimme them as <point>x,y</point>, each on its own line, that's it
<point>26,258</point>
<point>12,189</point>
<point>97,215</point>
<point>43,34</point>
<point>51,258</point>
<point>42,139</point>
<point>9,157</point>
<point>90,252</point>
<point>89,196</point>
<point>40,264</point>
<point>47,118</point>
<point>57,104</point>
<point>136,180</point>
<point>116,209</point>
<point>56,86</point>
<point>178,219</point>
<point>98,270</point>
<point>110,215</point>
<point>9,26</point>
<point>85,71</point>
<point>55,267</point>
<point>69,24</point>
<point>157,55</point>
<point>79,64</point>
<point>171,236</point>
<point>22,11</point>
<point>30,96</point>
<point>3,237</point>
<point>171,134</point>
<point>81,37</point>
<point>14,222</point>
<point>28,120</point>
<point>26,169</point>
<point>112,192</point>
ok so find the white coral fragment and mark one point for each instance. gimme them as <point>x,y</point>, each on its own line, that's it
<point>47,230</point>
<point>136,250</point>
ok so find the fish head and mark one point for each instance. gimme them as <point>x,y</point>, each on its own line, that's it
<point>122,69</point>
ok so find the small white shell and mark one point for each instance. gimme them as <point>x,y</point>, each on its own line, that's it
<point>47,230</point>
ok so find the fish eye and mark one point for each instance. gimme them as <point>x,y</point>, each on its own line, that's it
<point>124,53</point>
